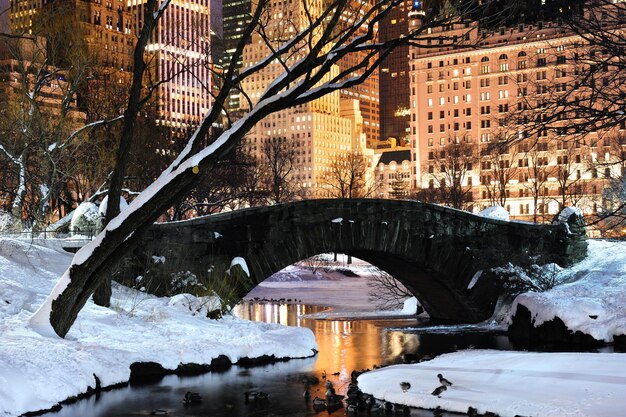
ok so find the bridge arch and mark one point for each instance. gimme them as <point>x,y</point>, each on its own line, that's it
<point>441,255</point>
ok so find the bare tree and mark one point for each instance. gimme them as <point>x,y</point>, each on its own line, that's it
<point>41,124</point>
<point>387,292</point>
<point>279,161</point>
<point>308,56</point>
<point>347,177</point>
<point>450,169</point>
<point>500,159</point>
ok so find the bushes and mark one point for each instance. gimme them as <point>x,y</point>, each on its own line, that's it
<point>517,280</point>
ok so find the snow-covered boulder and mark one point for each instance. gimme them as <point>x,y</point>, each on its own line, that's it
<point>86,219</point>
<point>495,212</point>
<point>573,219</point>
<point>202,306</point>
<point>103,206</point>
<point>410,306</point>
<point>566,213</point>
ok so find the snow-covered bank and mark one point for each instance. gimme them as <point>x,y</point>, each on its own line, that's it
<point>593,299</point>
<point>37,372</point>
<point>510,383</point>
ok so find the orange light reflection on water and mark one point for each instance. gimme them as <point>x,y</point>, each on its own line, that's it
<point>344,345</point>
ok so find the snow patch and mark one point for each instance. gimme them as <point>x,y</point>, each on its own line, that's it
<point>509,383</point>
<point>474,279</point>
<point>242,263</point>
<point>495,212</point>
<point>410,306</point>
<point>158,259</point>
<point>102,209</point>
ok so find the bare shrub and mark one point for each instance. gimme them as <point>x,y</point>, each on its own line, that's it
<point>386,292</point>
<point>517,279</point>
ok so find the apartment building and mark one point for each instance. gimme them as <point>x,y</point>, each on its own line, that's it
<point>493,100</point>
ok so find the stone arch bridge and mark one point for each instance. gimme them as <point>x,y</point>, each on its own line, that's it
<point>443,256</point>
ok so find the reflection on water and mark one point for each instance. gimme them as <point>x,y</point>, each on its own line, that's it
<point>344,346</point>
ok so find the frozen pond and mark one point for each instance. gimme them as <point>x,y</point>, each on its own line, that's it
<point>345,345</point>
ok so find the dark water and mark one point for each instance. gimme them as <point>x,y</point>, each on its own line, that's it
<point>344,346</point>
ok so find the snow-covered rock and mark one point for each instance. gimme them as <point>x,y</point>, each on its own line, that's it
<point>102,209</point>
<point>495,212</point>
<point>566,213</point>
<point>86,219</point>
<point>593,298</point>
<point>242,264</point>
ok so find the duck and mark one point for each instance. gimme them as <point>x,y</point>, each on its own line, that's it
<point>439,390</point>
<point>256,396</point>
<point>319,404</point>
<point>192,398</point>
<point>443,381</point>
<point>334,406</point>
<point>375,408</point>
<point>353,392</point>
<point>405,386</point>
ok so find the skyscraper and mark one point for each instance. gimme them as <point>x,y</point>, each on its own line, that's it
<point>181,63</point>
<point>394,76</point>
<point>367,93</point>
<point>236,17</point>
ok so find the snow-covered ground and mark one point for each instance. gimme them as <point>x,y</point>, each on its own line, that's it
<point>593,300</point>
<point>510,383</point>
<point>36,372</point>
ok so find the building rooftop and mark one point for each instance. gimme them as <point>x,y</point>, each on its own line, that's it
<point>397,156</point>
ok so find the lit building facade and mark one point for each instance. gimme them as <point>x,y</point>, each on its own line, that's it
<point>106,24</point>
<point>393,173</point>
<point>320,131</point>
<point>493,94</point>
<point>237,15</point>
<point>394,76</point>
<point>181,63</point>
<point>367,93</point>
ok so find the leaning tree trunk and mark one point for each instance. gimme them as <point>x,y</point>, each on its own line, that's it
<point>102,295</point>
<point>92,263</point>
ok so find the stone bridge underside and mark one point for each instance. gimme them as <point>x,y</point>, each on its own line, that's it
<point>432,250</point>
